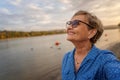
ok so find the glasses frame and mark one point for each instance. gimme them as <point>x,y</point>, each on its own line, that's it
<point>73,23</point>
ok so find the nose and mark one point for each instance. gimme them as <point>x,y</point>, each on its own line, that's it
<point>69,26</point>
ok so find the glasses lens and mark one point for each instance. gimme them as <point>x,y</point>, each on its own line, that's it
<point>68,23</point>
<point>74,23</point>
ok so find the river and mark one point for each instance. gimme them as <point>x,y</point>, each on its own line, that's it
<point>38,58</point>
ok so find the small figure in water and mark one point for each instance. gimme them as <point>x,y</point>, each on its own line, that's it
<point>56,44</point>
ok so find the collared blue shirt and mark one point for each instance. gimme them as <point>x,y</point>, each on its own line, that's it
<point>97,65</point>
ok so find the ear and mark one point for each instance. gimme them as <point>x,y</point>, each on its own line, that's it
<point>92,33</point>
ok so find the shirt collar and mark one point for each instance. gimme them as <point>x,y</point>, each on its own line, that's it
<point>91,54</point>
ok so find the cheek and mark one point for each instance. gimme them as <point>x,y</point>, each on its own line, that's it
<point>82,34</point>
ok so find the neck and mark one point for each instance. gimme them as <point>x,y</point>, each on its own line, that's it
<point>82,48</point>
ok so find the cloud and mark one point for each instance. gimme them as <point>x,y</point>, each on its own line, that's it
<point>15,2</point>
<point>4,11</point>
<point>66,1</point>
<point>53,14</point>
<point>34,6</point>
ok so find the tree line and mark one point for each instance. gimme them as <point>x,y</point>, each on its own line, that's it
<point>17,34</point>
<point>5,34</point>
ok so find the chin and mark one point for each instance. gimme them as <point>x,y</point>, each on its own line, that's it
<point>70,39</point>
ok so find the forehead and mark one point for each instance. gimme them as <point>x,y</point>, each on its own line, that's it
<point>80,17</point>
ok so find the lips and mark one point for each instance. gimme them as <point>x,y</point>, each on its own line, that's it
<point>70,32</point>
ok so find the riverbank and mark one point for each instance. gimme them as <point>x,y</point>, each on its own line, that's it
<point>21,34</point>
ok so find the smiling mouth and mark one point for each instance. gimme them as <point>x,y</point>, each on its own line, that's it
<point>70,33</point>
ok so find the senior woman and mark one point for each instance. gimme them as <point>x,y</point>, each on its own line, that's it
<point>86,61</point>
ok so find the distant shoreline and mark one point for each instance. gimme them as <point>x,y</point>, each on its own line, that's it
<point>21,34</point>
<point>111,27</point>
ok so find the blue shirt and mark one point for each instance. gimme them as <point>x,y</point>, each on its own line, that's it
<point>97,65</point>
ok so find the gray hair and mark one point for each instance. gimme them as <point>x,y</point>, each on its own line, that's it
<point>94,22</point>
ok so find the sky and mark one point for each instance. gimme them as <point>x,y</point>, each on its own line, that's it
<point>38,15</point>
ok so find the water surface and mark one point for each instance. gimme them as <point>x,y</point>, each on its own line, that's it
<point>38,58</point>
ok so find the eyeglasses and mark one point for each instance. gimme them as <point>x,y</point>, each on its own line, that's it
<point>75,23</point>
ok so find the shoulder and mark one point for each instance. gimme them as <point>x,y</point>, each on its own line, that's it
<point>102,55</point>
<point>65,61</point>
<point>65,58</point>
<point>111,65</point>
<point>110,59</point>
<point>107,55</point>
<point>112,70</point>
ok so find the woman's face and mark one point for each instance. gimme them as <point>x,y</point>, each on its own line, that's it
<point>80,32</point>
